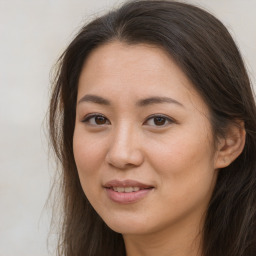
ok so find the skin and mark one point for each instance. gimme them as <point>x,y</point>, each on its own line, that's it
<point>176,157</point>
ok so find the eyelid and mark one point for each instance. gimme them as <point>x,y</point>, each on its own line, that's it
<point>88,117</point>
<point>169,119</point>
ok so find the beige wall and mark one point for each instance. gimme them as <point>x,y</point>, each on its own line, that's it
<point>32,35</point>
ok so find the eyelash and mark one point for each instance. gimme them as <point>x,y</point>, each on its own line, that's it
<point>166,119</point>
<point>91,116</point>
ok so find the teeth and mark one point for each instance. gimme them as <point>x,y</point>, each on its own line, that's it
<point>126,190</point>
<point>120,190</point>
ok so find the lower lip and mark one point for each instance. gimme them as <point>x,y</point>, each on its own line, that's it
<point>127,198</point>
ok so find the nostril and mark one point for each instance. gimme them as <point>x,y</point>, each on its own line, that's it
<point>124,161</point>
<point>124,150</point>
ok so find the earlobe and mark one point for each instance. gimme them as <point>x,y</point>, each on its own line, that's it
<point>231,146</point>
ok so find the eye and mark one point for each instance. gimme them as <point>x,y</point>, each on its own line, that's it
<point>96,119</point>
<point>158,120</point>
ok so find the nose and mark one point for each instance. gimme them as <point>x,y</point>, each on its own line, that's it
<point>125,150</point>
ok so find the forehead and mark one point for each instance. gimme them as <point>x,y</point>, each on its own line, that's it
<point>139,59</point>
<point>136,71</point>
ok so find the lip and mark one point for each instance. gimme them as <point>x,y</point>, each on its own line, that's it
<point>126,183</point>
<point>127,197</point>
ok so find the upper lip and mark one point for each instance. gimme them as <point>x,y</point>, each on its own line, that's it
<point>125,184</point>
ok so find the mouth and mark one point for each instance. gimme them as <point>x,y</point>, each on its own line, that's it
<point>126,186</point>
<point>127,191</point>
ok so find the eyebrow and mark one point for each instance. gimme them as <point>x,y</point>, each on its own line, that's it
<point>157,100</point>
<point>94,99</point>
<point>141,103</point>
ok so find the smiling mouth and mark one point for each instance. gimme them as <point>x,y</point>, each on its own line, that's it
<point>126,186</point>
<point>127,189</point>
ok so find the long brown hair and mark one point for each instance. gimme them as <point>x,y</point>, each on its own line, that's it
<point>203,48</point>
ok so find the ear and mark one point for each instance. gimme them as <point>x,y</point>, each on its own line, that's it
<point>230,147</point>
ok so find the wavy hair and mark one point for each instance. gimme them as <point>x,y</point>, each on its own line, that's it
<point>204,50</point>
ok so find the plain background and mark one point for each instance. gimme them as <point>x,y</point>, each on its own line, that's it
<point>32,36</point>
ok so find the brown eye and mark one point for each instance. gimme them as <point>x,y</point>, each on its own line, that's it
<point>96,120</point>
<point>100,120</point>
<point>158,121</point>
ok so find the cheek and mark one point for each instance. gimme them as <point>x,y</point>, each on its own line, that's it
<point>186,177</point>
<point>89,155</point>
<point>184,162</point>
<point>175,151</point>
<point>87,149</point>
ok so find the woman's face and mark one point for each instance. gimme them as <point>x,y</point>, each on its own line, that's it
<point>143,144</point>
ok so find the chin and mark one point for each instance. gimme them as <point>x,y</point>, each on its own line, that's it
<point>128,226</point>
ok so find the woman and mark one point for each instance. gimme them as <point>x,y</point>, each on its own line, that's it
<point>153,120</point>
